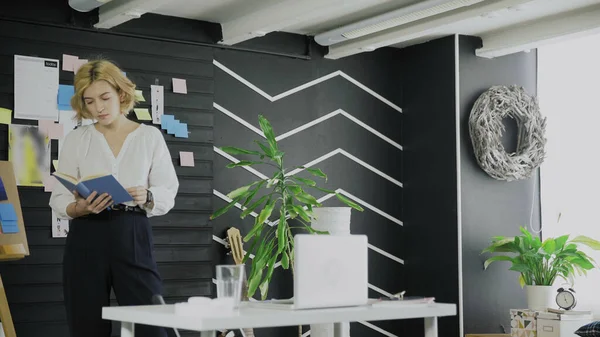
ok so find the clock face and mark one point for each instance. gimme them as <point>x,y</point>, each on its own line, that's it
<point>565,300</point>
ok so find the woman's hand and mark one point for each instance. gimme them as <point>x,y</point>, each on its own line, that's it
<point>89,205</point>
<point>139,194</point>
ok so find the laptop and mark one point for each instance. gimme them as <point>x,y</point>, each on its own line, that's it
<point>329,271</point>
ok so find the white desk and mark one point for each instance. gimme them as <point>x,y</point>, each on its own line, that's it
<point>247,317</point>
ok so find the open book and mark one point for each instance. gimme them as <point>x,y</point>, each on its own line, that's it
<point>99,183</point>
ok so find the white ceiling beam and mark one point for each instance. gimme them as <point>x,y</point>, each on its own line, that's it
<point>534,34</point>
<point>277,17</point>
<point>117,12</point>
<point>418,29</point>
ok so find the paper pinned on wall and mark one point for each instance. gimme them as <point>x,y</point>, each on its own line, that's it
<point>5,116</point>
<point>29,152</point>
<point>166,120</point>
<point>173,127</point>
<point>179,86</point>
<point>44,126</point>
<point>69,62</point>
<point>8,218</point>
<point>181,131</point>
<point>36,88</point>
<point>49,183</point>
<point>157,99</point>
<point>55,131</point>
<point>65,93</point>
<point>60,227</point>
<point>142,114</point>
<point>139,96</point>
<point>186,158</point>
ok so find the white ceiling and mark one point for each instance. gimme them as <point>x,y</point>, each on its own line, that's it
<point>521,21</point>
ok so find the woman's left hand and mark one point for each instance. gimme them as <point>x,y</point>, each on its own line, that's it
<point>139,194</point>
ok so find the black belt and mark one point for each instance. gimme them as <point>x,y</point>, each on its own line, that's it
<point>127,208</point>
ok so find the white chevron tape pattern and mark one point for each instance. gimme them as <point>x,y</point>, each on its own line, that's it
<point>337,112</point>
<point>273,223</point>
<point>305,85</point>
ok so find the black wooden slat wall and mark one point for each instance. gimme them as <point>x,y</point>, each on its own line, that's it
<point>183,237</point>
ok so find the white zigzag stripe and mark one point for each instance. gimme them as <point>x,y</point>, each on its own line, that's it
<point>305,85</point>
<point>325,197</point>
<point>235,160</point>
<point>308,125</point>
<point>376,328</point>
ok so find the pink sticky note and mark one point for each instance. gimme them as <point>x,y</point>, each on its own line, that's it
<point>49,182</point>
<point>78,63</point>
<point>44,126</point>
<point>179,86</point>
<point>186,158</point>
<point>56,131</point>
<point>69,62</point>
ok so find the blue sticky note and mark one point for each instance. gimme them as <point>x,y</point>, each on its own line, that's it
<point>7,212</point>
<point>65,92</point>
<point>172,127</point>
<point>9,226</point>
<point>63,107</point>
<point>3,195</point>
<point>181,131</point>
<point>165,120</point>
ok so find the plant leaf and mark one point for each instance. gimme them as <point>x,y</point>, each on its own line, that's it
<point>587,241</point>
<point>583,263</point>
<point>302,213</point>
<point>254,191</point>
<point>305,181</point>
<point>523,268</point>
<point>266,212</point>
<point>224,209</point>
<point>254,231</point>
<point>349,202</point>
<point>237,150</point>
<point>549,246</point>
<point>253,206</point>
<point>307,199</point>
<point>560,241</point>
<point>281,232</point>
<point>267,130</point>
<point>265,148</point>
<point>240,191</point>
<point>496,258</point>
<point>285,260</point>
<point>243,163</point>
<point>317,172</point>
<point>254,282</point>
<point>295,189</point>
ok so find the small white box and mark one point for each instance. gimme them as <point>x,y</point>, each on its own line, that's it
<point>560,325</point>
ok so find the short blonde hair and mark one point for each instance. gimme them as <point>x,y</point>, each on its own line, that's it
<point>98,70</point>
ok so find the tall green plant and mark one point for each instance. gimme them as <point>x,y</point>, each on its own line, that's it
<point>276,243</point>
<point>540,263</point>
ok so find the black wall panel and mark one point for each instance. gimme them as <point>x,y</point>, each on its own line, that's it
<point>183,237</point>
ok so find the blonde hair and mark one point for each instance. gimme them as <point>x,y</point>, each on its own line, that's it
<point>98,70</point>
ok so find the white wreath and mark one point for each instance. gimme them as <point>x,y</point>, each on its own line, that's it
<point>486,129</point>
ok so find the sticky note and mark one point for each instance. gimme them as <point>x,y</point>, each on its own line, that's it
<point>172,127</point>
<point>55,164</point>
<point>186,158</point>
<point>139,95</point>
<point>142,114</point>
<point>181,131</point>
<point>7,212</point>
<point>166,120</point>
<point>5,116</point>
<point>3,195</point>
<point>49,182</point>
<point>179,86</point>
<point>9,226</point>
<point>78,63</point>
<point>69,62</point>
<point>44,126</point>
<point>65,92</point>
<point>56,131</point>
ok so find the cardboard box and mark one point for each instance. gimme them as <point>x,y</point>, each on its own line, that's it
<point>523,323</point>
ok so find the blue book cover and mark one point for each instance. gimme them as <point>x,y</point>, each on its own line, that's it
<point>101,184</point>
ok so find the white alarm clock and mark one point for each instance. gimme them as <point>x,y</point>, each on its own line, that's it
<point>566,298</point>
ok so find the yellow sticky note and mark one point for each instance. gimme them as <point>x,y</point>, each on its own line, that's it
<point>143,114</point>
<point>55,164</point>
<point>139,96</point>
<point>5,116</point>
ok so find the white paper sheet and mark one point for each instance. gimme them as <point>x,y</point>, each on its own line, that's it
<point>60,227</point>
<point>36,88</point>
<point>157,100</point>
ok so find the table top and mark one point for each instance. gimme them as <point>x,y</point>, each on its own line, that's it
<point>253,317</point>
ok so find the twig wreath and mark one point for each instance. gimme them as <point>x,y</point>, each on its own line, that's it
<point>486,129</point>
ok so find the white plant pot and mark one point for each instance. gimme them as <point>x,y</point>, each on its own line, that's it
<point>335,220</point>
<point>540,297</point>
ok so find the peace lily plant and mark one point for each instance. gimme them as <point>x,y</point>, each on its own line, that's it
<point>540,263</point>
<point>272,244</point>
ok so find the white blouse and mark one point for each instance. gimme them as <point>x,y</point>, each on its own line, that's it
<point>144,160</point>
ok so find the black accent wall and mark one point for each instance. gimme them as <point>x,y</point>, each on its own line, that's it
<point>491,207</point>
<point>183,237</point>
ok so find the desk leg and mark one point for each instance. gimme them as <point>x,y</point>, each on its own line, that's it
<point>127,329</point>
<point>431,327</point>
<point>211,333</point>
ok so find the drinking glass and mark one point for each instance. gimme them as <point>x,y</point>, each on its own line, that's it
<point>229,284</point>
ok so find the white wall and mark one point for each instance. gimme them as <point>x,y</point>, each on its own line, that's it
<point>569,94</point>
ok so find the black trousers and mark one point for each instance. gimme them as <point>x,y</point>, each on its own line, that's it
<point>110,249</point>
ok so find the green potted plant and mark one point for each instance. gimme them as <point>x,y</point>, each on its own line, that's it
<point>285,195</point>
<point>539,263</point>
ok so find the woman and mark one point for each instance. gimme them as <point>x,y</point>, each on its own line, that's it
<point>111,245</point>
